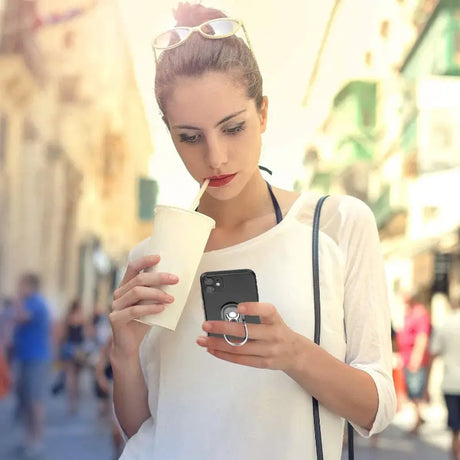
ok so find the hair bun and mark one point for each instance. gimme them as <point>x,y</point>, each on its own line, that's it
<point>187,14</point>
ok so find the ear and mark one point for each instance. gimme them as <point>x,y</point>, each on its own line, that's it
<point>263,112</point>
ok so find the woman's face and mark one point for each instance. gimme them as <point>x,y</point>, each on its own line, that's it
<point>217,131</point>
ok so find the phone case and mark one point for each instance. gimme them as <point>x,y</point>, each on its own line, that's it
<point>223,290</point>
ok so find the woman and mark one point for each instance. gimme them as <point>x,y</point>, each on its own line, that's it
<point>177,400</point>
<point>73,351</point>
<point>413,342</point>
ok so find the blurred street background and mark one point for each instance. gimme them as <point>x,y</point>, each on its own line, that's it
<point>87,436</point>
<point>364,100</point>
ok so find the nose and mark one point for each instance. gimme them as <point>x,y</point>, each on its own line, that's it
<point>216,153</point>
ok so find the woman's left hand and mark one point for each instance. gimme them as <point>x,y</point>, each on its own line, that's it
<point>271,345</point>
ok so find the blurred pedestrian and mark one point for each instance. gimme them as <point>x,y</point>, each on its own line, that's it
<point>398,372</point>
<point>104,380</point>
<point>74,351</point>
<point>101,326</point>
<point>6,345</point>
<point>412,342</point>
<point>102,334</point>
<point>7,324</point>
<point>5,375</point>
<point>446,344</point>
<point>33,353</point>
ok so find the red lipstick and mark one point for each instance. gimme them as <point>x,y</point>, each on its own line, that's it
<point>220,181</point>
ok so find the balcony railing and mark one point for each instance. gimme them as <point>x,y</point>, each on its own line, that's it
<point>17,36</point>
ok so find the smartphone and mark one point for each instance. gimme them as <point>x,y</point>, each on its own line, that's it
<point>223,290</point>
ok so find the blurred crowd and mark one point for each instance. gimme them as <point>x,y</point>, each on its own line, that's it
<point>415,347</point>
<point>40,355</point>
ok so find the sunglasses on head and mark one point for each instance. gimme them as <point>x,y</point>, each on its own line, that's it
<point>213,29</point>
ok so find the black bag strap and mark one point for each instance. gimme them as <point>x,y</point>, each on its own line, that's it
<point>317,334</point>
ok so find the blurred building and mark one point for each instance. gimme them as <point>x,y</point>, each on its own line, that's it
<point>392,139</point>
<point>424,161</point>
<point>74,148</point>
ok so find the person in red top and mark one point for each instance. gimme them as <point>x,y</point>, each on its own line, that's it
<point>413,340</point>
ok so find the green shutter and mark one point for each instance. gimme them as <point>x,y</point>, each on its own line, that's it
<point>322,181</point>
<point>409,136</point>
<point>453,44</point>
<point>357,100</point>
<point>148,192</point>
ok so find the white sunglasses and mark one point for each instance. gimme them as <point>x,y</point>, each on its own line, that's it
<point>213,29</point>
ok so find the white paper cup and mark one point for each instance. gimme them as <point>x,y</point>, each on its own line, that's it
<point>179,237</point>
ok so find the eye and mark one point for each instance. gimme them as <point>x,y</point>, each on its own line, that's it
<point>235,129</point>
<point>190,139</point>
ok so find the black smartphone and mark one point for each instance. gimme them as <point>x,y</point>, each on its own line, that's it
<point>223,290</point>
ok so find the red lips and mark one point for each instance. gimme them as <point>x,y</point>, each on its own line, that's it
<point>219,181</point>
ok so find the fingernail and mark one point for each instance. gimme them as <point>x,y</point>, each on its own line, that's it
<point>207,327</point>
<point>173,278</point>
<point>170,298</point>
<point>242,308</point>
<point>201,340</point>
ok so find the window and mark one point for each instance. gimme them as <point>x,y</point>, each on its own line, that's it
<point>3,138</point>
<point>368,58</point>
<point>429,214</point>
<point>68,40</point>
<point>385,28</point>
<point>457,47</point>
<point>147,197</point>
<point>69,86</point>
<point>30,132</point>
<point>367,115</point>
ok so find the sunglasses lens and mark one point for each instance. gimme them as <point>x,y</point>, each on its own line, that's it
<point>220,28</point>
<point>170,38</point>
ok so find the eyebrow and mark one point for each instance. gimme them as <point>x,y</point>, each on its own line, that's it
<point>229,117</point>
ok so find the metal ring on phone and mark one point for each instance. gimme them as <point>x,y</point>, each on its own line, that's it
<point>246,336</point>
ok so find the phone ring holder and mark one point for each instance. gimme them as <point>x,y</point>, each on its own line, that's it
<point>234,317</point>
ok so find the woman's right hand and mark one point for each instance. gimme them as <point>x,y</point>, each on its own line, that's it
<point>138,295</point>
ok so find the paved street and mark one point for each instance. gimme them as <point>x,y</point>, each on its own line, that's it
<point>433,442</point>
<point>83,436</point>
<point>86,437</point>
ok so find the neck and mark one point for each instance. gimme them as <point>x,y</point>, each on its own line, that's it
<point>253,201</point>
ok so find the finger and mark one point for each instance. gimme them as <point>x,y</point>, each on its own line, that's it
<point>134,312</point>
<point>141,293</point>
<point>266,311</point>
<point>244,360</point>
<point>255,331</point>
<point>135,266</point>
<point>147,279</point>
<point>251,347</point>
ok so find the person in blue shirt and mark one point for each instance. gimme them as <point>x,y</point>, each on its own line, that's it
<point>32,345</point>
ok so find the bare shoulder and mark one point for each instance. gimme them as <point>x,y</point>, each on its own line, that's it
<point>286,198</point>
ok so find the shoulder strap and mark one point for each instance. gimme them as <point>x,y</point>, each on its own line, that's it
<point>317,333</point>
<point>315,259</point>
<point>317,306</point>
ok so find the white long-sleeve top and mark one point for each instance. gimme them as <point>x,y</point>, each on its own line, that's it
<point>203,408</point>
<point>446,343</point>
